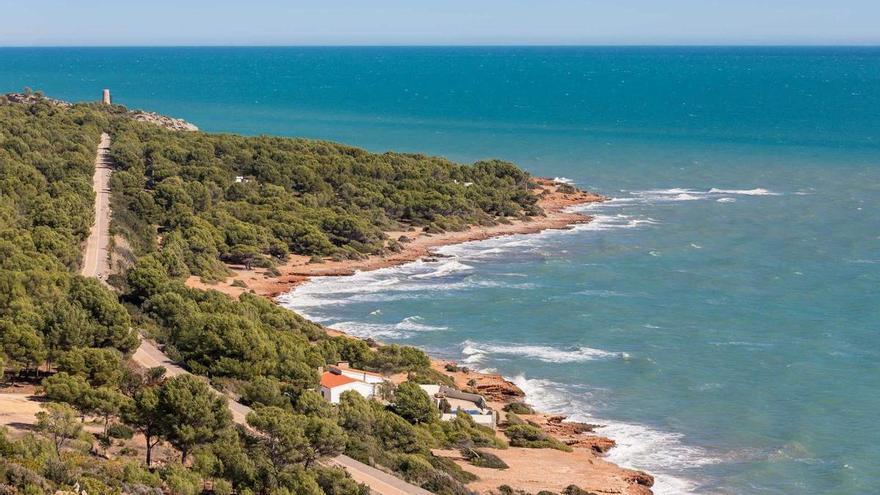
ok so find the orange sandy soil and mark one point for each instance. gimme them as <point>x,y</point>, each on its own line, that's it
<point>531,470</point>
<point>18,410</point>
<point>298,269</point>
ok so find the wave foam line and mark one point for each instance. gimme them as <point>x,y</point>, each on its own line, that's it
<point>637,446</point>
<point>475,352</point>
<point>687,194</point>
<point>400,330</point>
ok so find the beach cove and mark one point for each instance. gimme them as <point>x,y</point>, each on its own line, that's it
<point>532,470</point>
<point>738,247</point>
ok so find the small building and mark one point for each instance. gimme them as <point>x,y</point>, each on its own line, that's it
<point>474,405</point>
<point>341,378</point>
<point>364,376</point>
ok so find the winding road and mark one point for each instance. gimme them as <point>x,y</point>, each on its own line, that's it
<point>96,264</point>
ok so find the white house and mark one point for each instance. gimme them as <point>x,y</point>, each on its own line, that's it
<point>364,376</point>
<point>341,378</point>
<point>474,405</point>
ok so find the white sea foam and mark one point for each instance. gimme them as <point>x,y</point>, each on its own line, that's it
<point>407,281</point>
<point>758,191</point>
<point>490,248</point>
<point>399,330</point>
<point>685,197</point>
<point>444,269</point>
<point>563,180</point>
<point>599,293</point>
<point>661,453</point>
<point>686,194</point>
<point>603,222</point>
<point>548,354</point>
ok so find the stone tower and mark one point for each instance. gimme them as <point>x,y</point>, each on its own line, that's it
<point>105,98</point>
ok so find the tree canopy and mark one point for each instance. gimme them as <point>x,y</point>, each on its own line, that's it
<point>187,203</point>
<point>47,157</point>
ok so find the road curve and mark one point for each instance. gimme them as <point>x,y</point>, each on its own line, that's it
<point>96,264</point>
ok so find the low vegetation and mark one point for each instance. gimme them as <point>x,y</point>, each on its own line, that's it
<point>518,408</point>
<point>525,435</point>
<point>483,458</point>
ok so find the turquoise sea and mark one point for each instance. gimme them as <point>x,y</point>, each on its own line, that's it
<point>721,314</point>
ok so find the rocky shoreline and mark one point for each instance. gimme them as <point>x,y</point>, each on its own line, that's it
<point>531,470</point>
<point>584,466</point>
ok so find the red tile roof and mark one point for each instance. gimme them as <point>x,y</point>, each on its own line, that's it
<point>332,380</point>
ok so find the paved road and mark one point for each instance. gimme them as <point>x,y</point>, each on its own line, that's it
<point>149,356</point>
<point>96,262</point>
<point>378,481</point>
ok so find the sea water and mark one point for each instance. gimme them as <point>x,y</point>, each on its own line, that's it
<point>719,316</point>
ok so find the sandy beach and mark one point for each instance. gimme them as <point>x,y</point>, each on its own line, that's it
<point>531,470</point>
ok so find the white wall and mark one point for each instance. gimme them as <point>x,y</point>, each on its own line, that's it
<point>372,379</point>
<point>333,394</point>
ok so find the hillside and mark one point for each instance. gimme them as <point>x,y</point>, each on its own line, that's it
<point>187,202</point>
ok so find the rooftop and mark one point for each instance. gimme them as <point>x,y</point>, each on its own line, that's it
<point>332,380</point>
<point>344,366</point>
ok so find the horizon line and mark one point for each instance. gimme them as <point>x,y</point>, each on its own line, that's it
<point>469,45</point>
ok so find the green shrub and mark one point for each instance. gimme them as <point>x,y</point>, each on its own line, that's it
<point>524,435</point>
<point>513,419</point>
<point>575,490</point>
<point>518,408</point>
<point>482,458</point>
<point>455,471</point>
<point>223,487</point>
<point>120,431</point>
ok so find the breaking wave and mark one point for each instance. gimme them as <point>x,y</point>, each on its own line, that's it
<point>408,281</point>
<point>685,194</point>
<point>758,191</point>
<point>661,453</point>
<point>476,352</point>
<point>444,269</point>
<point>399,330</point>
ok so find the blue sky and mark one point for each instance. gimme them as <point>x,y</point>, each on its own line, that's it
<point>396,22</point>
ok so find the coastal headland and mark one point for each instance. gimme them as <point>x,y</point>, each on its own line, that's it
<point>531,470</point>
<point>555,199</point>
<point>566,457</point>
